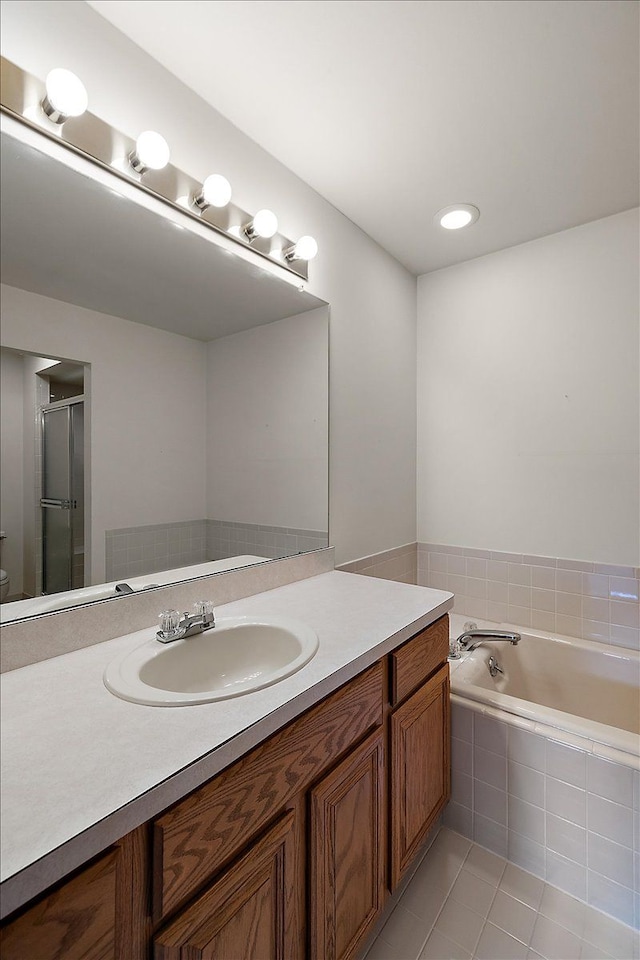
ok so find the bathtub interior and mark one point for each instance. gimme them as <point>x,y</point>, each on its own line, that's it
<point>582,678</point>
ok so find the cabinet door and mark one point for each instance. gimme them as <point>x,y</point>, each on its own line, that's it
<point>420,768</point>
<point>347,852</point>
<point>99,914</point>
<point>75,922</point>
<point>250,912</point>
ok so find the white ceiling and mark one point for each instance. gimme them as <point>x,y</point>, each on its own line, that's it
<point>393,109</point>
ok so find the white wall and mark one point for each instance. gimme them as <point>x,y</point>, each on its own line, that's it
<point>372,297</point>
<point>147,405</point>
<point>11,488</point>
<point>528,399</point>
<point>267,386</point>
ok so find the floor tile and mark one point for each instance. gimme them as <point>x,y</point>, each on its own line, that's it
<point>563,909</point>
<point>439,947</point>
<point>405,933</point>
<point>380,950</point>
<point>486,865</point>
<point>522,886</point>
<point>495,944</point>
<point>423,897</point>
<point>489,909</point>
<point>589,952</point>
<point>612,937</point>
<point>555,942</point>
<point>512,916</point>
<point>473,892</point>
<point>463,926</point>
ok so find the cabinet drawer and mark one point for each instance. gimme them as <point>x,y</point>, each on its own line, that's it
<point>200,834</point>
<point>252,910</point>
<point>416,660</point>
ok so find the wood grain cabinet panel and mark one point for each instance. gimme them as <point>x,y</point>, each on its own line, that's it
<point>420,768</point>
<point>75,922</point>
<point>203,832</point>
<point>249,913</point>
<point>347,852</point>
<point>101,913</point>
<point>415,660</point>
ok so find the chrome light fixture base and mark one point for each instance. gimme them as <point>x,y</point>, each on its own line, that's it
<point>23,97</point>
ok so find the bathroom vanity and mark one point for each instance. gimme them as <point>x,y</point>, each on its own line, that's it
<point>314,812</point>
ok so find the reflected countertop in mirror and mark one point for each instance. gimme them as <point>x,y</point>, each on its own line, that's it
<point>205,389</point>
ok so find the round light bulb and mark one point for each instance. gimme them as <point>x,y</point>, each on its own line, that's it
<point>264,224</point>
<point>151,152</point>
<point>216,192</point>
<point>66,95</point>
<point>306,248</point>
<point>457,216</point>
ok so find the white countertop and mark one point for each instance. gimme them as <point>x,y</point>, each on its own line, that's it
<point>81,767</point>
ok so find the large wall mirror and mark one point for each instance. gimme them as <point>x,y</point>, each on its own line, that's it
<point>164,402</point>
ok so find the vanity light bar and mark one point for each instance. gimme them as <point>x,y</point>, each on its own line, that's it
<point>264,224</point>
<point>65,96</point>
<point>151,152</point>
<point>303,249</point>
<point>209,202</point>
<point>215,192</point>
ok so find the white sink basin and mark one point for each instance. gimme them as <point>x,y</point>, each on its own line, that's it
<point>237,656</point>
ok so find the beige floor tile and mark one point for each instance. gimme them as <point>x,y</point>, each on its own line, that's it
<point>381,950</point>
<point>486,865</point>
<point>473,892</point>
<point>513,916</point>
<point>424,898</point>
<point>405,934</point>
<point>555,942</point>
<point>589,952</point>
<point>461,925</point>
<point>495,944</point>
<point>564,909</point>
<point>439,947</point>
<point>522,886</point>
<point>455,886</point>
<point>612,937</point>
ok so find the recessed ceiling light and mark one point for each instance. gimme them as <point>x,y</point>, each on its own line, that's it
<point>458,215</point>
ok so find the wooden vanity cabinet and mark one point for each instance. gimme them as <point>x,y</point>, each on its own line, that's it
<point>420,768</point>
<point>100,913</point>
<point>250,911</point>
<point>288,853</point>
<point>347,863</point>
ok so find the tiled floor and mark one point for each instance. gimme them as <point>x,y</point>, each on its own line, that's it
<point>465,902</point>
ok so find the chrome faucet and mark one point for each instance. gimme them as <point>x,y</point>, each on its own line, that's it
<point>174,627</point>
<point>471,639</point>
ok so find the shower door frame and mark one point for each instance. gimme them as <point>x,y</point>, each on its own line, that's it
<point>48,408</point>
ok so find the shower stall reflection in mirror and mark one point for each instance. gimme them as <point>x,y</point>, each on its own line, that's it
<point>60,477</point>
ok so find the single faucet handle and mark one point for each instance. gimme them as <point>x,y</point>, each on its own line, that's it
<point>169,623</point>
<point>204,610</point>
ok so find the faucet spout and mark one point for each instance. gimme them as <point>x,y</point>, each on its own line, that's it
<point>471,639</point>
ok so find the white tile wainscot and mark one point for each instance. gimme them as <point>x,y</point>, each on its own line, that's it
<point>563,814</point>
